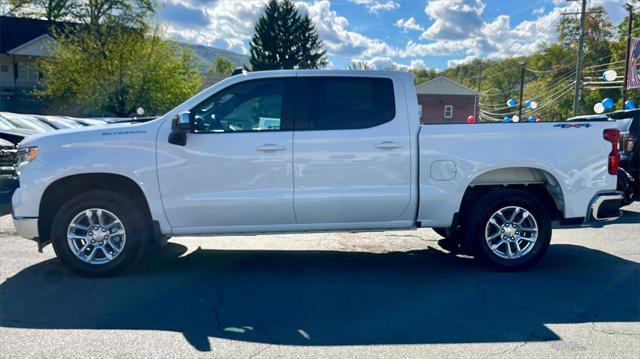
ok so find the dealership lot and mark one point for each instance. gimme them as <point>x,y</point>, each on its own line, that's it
<point>393,294</point>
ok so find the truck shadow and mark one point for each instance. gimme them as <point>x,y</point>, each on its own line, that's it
<point>330,298</point>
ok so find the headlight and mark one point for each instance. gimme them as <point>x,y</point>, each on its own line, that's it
<point>26,155</point>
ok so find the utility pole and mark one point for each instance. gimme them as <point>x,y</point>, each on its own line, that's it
<point>576,99</point>
<point>522,67</point>
<point>629,8</point>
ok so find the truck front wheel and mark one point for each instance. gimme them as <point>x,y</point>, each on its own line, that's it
<point>508,229</point>
<point>99,233</point>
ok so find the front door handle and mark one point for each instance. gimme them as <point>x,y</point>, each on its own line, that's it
<point>270,147</point>
<point>388,145</point>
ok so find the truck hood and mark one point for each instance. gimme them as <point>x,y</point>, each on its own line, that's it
<point>89,134</point>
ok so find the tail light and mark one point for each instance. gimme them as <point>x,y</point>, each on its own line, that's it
<point>629,143</point>
<point>613,135</point>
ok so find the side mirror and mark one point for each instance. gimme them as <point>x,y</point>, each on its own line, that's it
<point>182,122</point>
<point>180,125</point>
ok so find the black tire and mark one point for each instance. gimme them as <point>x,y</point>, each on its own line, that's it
<point>136,224</point>
<point>479,215</point>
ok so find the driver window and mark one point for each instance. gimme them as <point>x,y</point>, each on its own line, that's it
<point>244,107</point>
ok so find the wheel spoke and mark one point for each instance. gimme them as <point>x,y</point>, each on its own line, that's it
<point>495,246</point>
<point>84,247</point>
<point>115,247</point>
<point>493,221</point>
<point>493,236</point>
<point>100,219</point>
<point>79,226</point>
<point>528,229</point>
<point>514,214</point>
<point>89,215</point>
<point>518,249</point>
<point>108,255</point>
<point>92,254</point>
<point>524,216</point>
<point>509,252</point>
<point>499,214</point>
<point>529,239</point>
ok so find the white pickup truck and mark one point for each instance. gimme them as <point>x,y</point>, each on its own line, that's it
<point>299,151</point>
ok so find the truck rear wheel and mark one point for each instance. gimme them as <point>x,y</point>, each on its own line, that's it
<point>508,229</point>
<point>99,233</point>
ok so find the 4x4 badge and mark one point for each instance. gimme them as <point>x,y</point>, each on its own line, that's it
<point>572,125</point>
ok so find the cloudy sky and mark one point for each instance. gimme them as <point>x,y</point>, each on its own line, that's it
<point>407,33</point>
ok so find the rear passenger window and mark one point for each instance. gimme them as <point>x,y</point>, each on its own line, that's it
<point>343,103</point>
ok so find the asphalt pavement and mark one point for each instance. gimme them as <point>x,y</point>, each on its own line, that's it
<point>349,295</point>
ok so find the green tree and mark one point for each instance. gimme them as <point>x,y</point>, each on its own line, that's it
<point>359,65</point>
<point>222,65</point>
<point>283,39</point>
<point>134,70</point>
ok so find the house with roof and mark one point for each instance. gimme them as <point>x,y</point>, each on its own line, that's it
<point>22,42</point>
<point>446,101</point>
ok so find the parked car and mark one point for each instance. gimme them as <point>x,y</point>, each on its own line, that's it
<point>59,122</point>
<point>28,122</point>
<point>629,125</point>
<point>346,153</point>
<point>89,121</point>
<point>8,178</point>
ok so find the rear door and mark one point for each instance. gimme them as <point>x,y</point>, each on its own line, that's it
<point>351,150</point>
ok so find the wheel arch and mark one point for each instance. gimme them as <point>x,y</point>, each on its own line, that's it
<point>66,187</point>
<point>538,181</point>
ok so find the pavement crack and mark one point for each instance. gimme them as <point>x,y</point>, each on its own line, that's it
<point>610,332</point>
<point>512,350</point>
<point>260,351</point>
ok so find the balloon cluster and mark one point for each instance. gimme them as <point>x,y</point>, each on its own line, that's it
<point>528,104</point>
<point>606,104</point>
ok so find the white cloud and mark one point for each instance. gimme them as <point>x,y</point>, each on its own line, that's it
<point>387,63</point>
<point>230,23</point>
<point>459,28</point>
<point>409,24</point>
<point>418,64</point>
<point>338,39</point>
<point>453,19</point>
<point>538,11</point>
<point>374,6</point>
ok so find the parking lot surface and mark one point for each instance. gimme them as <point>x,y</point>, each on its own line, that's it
<point>366,295</point>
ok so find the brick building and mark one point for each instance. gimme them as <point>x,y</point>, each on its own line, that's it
<point>446,101</point>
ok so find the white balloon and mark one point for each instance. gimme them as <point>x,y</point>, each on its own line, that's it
<point>140,111</point>
<point>515,118</point>
<point>598,108</point>
<point>610,75</point>
<point>534,105</point>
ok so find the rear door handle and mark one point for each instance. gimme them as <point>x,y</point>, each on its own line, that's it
<point>388,145</point>
<point>270,147</point>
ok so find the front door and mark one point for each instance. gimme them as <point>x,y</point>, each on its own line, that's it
<point>236,167</point>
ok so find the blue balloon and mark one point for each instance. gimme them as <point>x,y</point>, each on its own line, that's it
<point>527,104</point>
<point>511,102</point>
<point>532,119</point>
<point>629,105</point>
<point>507,119</point>
<point>607,103</point>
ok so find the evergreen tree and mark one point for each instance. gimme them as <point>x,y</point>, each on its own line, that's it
<point>284,39</point>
